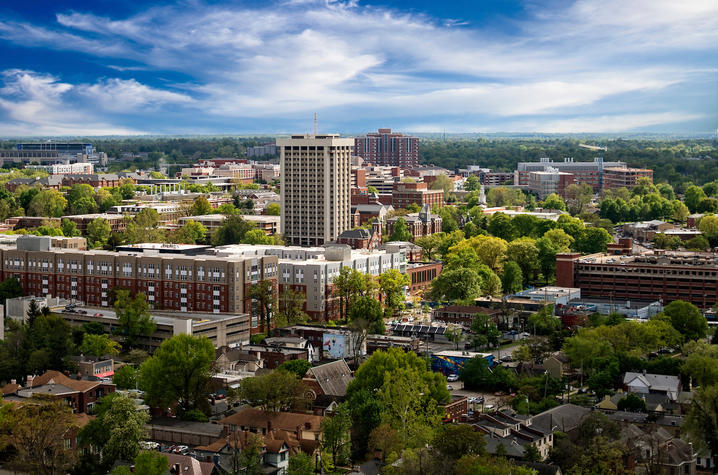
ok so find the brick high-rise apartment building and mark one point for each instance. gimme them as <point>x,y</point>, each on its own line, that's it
<point>388,148</point>
<point>316,185</point>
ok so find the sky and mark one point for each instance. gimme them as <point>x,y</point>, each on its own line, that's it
<point>104,67</point>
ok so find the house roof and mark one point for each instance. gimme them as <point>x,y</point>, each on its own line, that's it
<point>655,382</point>
<point>566,417</point>
<point>289,421</point>
<point>56,377</point>
<point>10,388</point>
<point>332,377</point>
<point>189,465</point>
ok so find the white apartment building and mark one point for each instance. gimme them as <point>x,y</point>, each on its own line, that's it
<point>311,270</point>
<point>315,187</point>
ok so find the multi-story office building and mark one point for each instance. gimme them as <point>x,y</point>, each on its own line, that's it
<point>315,188</point>
<point>549,181</point>
<point>654,275</point>
<point>172,276</point>
<point>388,148</point>
<point>624,177</point>
<point>404,194</point>
<point>60,147</point>
<point>589,173</point>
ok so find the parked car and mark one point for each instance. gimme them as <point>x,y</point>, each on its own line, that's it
<point>507,359</point>
<point>452,377</point>
<point>449,387</point>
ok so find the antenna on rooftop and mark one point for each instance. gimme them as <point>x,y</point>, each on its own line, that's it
<point>315,123</point>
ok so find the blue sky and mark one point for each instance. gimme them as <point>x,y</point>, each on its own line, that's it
<point>105,67</point>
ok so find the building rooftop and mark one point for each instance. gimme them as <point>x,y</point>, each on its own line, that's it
<point>656,258</point>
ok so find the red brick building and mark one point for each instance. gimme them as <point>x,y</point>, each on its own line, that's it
<point>654,275</point>
<point>421,275</point>
<point>388,148</point>
<point>404,194</point>
<point>617,177</point>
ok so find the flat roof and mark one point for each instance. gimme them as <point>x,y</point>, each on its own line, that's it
<point>462,354</point>
<point>163,318</point>
<point>654,258</point>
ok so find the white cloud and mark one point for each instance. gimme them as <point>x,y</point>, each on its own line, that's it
<point>289,59</point>
<point>129,95</point>
<point>38,104</point>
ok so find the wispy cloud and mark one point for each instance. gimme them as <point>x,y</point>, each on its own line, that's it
<point>284,60</point>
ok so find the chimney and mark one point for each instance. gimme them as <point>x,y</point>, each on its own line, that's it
<point>13,381</point>
<point>299,432</point>
<point>176,469</point>
<point>269,426</point>
<point>30,379</point>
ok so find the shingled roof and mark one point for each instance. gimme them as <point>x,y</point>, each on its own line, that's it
<point>332,377</point>
<point>289,421</point>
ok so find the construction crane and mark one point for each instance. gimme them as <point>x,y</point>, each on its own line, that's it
<point>593,147</point>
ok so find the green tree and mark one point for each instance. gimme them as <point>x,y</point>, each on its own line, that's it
<point>99,345</point>
<point>391,285</point>
<point>179,373</point>
<point>298,367</point>
<point>301,463</point>
<point>553,201</point>
<point>69,228</point>
<point>144,227</point>
<point>117,428</point>
<point>275,391</point>
<point>544,322</point>
<point>453,441</point>
<point>98,232</point>
<point>708,225</point>
<point>693,197</point>
<point>701,423</point>
<point>459,284</point>
<point>38,431</point>
<point>335,434</point>
<point>400,231</point>
<point>200,206</point>
<point>151,463</point>
<point>191,232</point>
<point>369,309</point>
<point>10,288</point>
<point>265,295</point>
<point>523,251</point>
<point>232,231</point>
<point>133,317</point>
<point>429,245</point>
<point>444,183</point>
<point>472,183</point>
<point>687,319</point>
<point>273,209</point>
<point>372,376</point>
<point>81,199</point>
<point>48,203</point>
<point>125,378</point>
<point>291,307</point>
<point>592,240</point>
<point>250,458</point>
<point>632,403</point>
<point>512,279</point>
<point>349,285</point>
<point>577,197</point>
<point>257,236</point>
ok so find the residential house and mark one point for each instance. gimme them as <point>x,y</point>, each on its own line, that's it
<point>308,426</point>
<point>658,449</point>
<point>275,450</point>
<point>361,238</point>
<point>80,395</point>
<point>329,379</point>
<point>513,434</point>
<point>557,365</point>
<point>644,383</point>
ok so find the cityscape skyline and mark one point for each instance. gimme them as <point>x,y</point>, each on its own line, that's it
<point>73,68</point>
